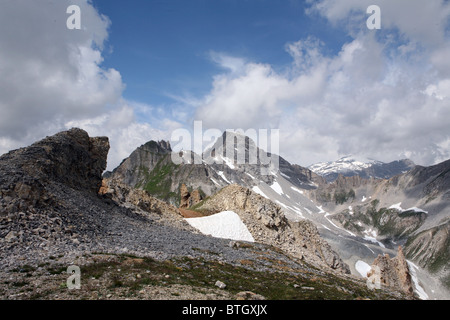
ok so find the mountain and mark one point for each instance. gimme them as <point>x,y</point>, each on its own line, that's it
<point>411,209</point>
<point>359,218</point>
<point>56,212</point>
<point>150,167</point>
<point>349,166</point>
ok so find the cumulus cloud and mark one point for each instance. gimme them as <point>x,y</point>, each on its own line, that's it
<point>51,79</point>
<point>125,132</point>
<point>383,95</point>
<point>49,73</point>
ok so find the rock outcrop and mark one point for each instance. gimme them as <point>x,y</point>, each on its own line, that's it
<point>393,272</point>
<point>71,158</point>
<point>267,224</point>
<point>189,199</point>
<point>48,195</point>
<point>138,200</point>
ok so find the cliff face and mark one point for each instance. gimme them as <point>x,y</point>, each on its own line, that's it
<point>145,157</point>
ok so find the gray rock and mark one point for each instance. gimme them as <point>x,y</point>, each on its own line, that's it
<point>220,284</point>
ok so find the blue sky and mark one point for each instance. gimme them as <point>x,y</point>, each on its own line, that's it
<point>138,70</point>
<point>163,48</point>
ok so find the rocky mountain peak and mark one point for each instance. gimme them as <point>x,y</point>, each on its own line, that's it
<point>235,147</point>
<point>157,146</point>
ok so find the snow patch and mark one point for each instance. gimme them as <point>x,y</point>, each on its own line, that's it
<point>277,188</point>
<point>215,182</point>
<point>398,206</point>
<point>374,240</point>
<point>282,204</point>
<point>415,209</point>
<point>250,176</point>
<point>259,191</point>
<point>297,211</point>
<point>326,216</point>
<point>297,190</point>
<point>220,173</point>
<point>419,290</point>
<point>369,248</point>
<point>225,224</point>
<point>228,162</point>
<point>285,175</point>
<point>362,267</point>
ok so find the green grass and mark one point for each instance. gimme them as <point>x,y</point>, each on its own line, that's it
<point>201,274</point>
<point>158,181</point>
<point>124,276</point>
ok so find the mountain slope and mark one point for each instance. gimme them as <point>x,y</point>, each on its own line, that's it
<point>150,168</point>
<point>412,209</point>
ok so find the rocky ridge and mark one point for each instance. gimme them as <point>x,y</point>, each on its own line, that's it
<point>267,224</point>
<point>150,168</point>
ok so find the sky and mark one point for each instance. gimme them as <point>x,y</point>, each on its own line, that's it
<point>138,70</point>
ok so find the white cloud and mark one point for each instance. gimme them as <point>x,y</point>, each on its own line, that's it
<point>125,133</point>
<point>52,79</point>
<point>383,96</point>
<point>48,73</point>
<point>233,64</point>
<point>418,20</point>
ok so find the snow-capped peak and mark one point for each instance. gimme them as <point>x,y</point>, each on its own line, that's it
<point>343,165</point>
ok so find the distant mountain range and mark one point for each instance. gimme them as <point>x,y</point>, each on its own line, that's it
<point>349,166</point>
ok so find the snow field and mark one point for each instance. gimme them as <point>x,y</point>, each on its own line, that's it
<point>225,224</point>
